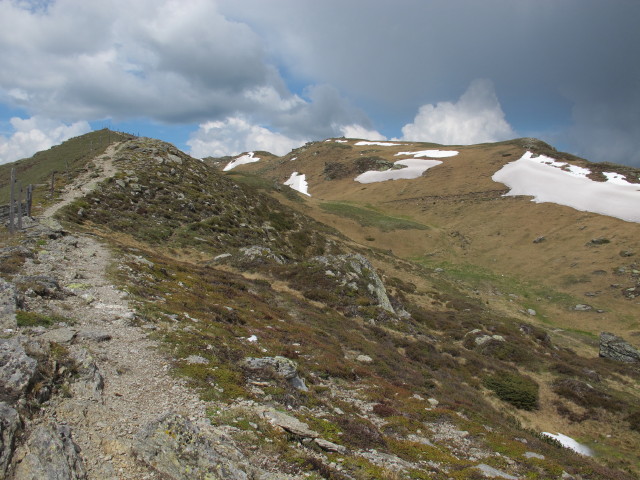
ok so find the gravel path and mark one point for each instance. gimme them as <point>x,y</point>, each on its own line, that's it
<point>137,385</point>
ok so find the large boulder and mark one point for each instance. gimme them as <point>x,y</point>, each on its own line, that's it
<point>50,454</point>
<point>16,370</point>
<point>10,424</point>
<point>175,448</point>
<point>616,348</point>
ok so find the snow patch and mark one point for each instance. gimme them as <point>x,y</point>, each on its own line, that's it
<point>298,182</point>
<point>570,443</point>
<point>415,169</point>
<point>382,144</point>
<point>431,153</point>
<point>547,180</point>
<point>252,339</point>
<point>244,159</point>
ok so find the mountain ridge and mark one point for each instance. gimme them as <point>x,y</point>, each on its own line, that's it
<point>280,325</point>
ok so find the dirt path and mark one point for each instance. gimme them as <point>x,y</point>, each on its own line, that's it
<point>137,385</point>
<point>86,181</point>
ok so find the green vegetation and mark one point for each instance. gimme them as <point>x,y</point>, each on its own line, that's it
<point>33,319</point>
<point>518,390</point>
<point>368,217</point>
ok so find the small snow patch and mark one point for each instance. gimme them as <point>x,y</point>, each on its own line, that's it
<point>415,169</point>
<point>242,160</point>
<point>252,339</point>
<point>298,182</point>
<point>570,443</point>
<point>381,144</point>
<point>430,153</point>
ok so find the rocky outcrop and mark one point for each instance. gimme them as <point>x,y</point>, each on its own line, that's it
<point>357,269</point>
<point>280,366</point>
<point>174,447</point>
<point>10,424</point>
<point>616,348</point>
<point>50,454</point>
<point>16,370</point>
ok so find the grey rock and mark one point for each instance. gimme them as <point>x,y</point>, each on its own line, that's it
<point>531,312</point>
<point>50,454</point>
<point>89,379</point>
<point>60,335</point>
<point>330,446</point>
<point>196,359</point>
<point>41,285</point>
<point>10,425</point>
<point>96,336</point>
<point>364,359</point>
<point>582,308</point>
<point>16,370</point>
<point>534,455</point>
<point>491,472</point>
<point>8,304</point>
<point>281,366</point>
<point>616,348</point>
<point>177,450</point>
<point>174,159</point>
<point>363,271</point>
<point>539,239</point>
<point>289,423</point>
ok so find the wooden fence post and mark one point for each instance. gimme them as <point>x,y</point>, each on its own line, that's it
<point>29,199</point>
<point>19,207</point>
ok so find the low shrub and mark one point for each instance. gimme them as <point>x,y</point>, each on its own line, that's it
<point>518,390</point>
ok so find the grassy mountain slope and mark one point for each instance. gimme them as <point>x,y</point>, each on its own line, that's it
<point>414,364</point>
<point>463,224</point>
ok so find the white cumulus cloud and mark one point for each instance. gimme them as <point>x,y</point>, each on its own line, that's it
<point>36,133</point>
<point>476,117</point>
<point>235,135</point>
<point>358,131</point>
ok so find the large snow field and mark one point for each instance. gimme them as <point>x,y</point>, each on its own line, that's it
<point>547,180</point>
<point>414,169</point>
<point>298,182</point>
<point>248,158</point>
<point>570,443</point>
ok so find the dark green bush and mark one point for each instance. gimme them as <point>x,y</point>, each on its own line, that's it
<point>518,390</point>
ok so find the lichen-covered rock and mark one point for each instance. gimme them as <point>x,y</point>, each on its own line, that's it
<point>175,448</point>
<point>16,370</point>
<point>358,267</point>
<point>39,285</point>
<point>8,302</point>
<point>10,424</point>
<point>280,366</point>
<point>289,423</point>
<point>616,348</point>
<point>50,454</point>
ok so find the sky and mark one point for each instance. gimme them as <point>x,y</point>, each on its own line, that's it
<point>221,77</point>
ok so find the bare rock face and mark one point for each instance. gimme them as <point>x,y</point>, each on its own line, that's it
<point>10,424</point>
<point>616,348</point>
<point>50,454</point>
<point>175,448</point>
<point>16,370</point>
